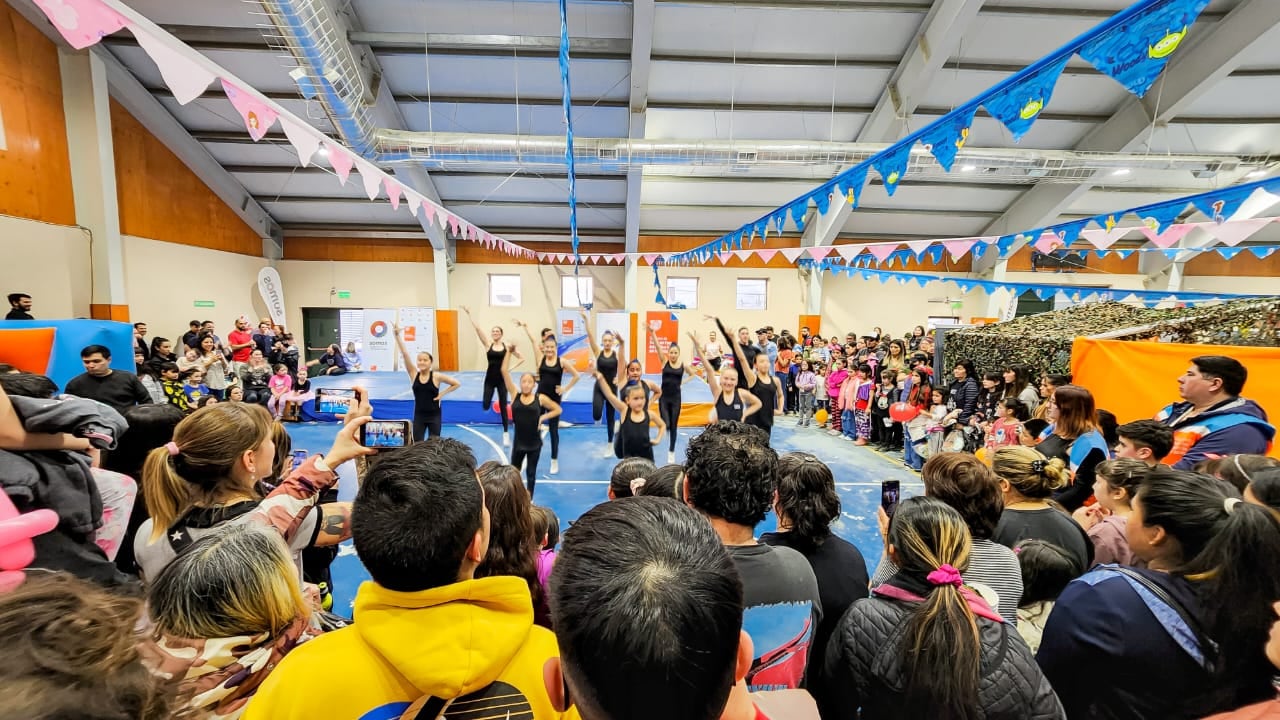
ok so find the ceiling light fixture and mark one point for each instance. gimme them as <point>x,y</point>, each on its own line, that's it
<point>968,168</point>
<point>1120,171</point>
<point>323,151</point>
<point>1256,174</point>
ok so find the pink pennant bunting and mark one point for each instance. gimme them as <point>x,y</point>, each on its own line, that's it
<point>340,160</point>
<point>724,257</point>
<point>1103,239</point>
<point>371,176</point>
<point>428,210</point>
<point>881,252</point>
<point>454,225</point>
<point>959,248</point>
<point>258,116</point>
<point>1233,232</point>
<point>393,192</point>
<point>1169,237</point>
<point>792,254</point>
<point>542,257</point>
<point>650,258</point>
<point>766,254</point>
<point>919,246</point>
<point>1047,243</point>
<point>185,78</point>
<point>304,140</point>
<point>619,258</point>
<point>82,22</point>
<point>744,254</point>
<point>820,252</point>
<point>414,201</point>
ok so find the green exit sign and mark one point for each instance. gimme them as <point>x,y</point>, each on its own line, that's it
<point>203,303</point>
<point>344,294</point>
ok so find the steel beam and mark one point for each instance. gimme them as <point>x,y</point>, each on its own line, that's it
<point>1188,75</point>
<point>939,37</point>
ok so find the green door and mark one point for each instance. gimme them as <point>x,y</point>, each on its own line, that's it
<point>320,329</point>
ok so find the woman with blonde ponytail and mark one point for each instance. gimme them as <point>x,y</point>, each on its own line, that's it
<point>924,645</point>
<point>210,474</point>
<point>1028,480</point>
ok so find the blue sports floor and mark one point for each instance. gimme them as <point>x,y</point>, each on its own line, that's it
<point>587,460</point>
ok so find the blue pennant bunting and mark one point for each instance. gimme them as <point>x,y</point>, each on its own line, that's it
<point>1229,252</point>
<point>822,199</point>
<point>1070,232</point>
<point>1044,293</point>
<point>1124,254</point>
<point>1019,105</point>
<point>892,165</point>
<point>1161,216</point>
<point>1219,206</point>
<point>935,254</point>
<point>850,183</point>
<point>978,249</point>
<point>1134,53</point>
<point>1262,253</point>
<point>947,136</point>
<point>1005,244</point>
<point>659,299</point>
<point>1171,253</point>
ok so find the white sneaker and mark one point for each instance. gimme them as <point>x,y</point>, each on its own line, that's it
<point>671,457</point>
<point>555,466</point>
<point>506,439</point>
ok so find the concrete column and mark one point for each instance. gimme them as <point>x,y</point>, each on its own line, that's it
<point>813,293</point>
<point>995,308</point>
<point>631,286</point>
<point>86,103</point>
<point>441,267</point>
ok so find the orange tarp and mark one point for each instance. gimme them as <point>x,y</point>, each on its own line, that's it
<point>1136,379</point>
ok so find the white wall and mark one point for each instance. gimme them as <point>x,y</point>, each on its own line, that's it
<point>48,262</point>
<point>717,295</point>
<point>308,284</point>
<point>1231,284</point>
<point>851,304</point>
<point>164,280</point>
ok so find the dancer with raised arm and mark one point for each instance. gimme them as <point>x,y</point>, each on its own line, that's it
<point>732,402</point>
<point>606,363</point>
<point>759,379</point>
<point>427,393</point>
<point>549,372</point>
<point>675,373</point>
<point>529,409</point>
<point>496,351</point>
<point>633,432</point>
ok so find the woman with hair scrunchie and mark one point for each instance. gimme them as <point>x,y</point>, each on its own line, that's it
<point>1028,480</point>
<point>926,646</point>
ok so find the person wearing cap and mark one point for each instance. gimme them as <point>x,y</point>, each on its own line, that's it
<point>767,346</point>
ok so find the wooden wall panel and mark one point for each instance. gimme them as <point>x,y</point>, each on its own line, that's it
<point>358,249</point>
<point>160,198</point>
<point>1245,264</point>
<point>35,170</point>
<point>1109,264</point>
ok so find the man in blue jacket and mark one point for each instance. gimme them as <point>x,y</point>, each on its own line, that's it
<point>1213,419</point>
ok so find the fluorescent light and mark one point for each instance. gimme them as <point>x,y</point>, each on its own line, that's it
<point>1120,171</point>
<point>968,168</point>
<point>323,151</point>
<point>1256,174</point>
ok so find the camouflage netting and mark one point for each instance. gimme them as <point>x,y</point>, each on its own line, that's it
<point>1044,341</point>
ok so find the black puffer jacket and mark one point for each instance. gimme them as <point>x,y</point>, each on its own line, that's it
<point>964,397</point>
<point>864,665</point>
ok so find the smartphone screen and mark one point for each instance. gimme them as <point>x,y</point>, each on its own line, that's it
<point>889,496</point>
<point>299,457</point>
<point>386,433</point>
<point>335,401</point>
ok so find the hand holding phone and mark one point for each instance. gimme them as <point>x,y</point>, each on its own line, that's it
<point>386,434</point>
<point>335,401</point>
<point>890,494</point>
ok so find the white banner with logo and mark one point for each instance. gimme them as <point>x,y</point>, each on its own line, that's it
<point>419,326</point>
<point>379,349</point>
<point>618,323</point>
<point>272,291</point>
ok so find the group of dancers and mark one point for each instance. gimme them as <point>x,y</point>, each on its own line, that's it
<point>530,407</point>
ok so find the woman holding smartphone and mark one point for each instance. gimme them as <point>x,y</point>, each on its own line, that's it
<point>529,409</point>
<point>427,393</point>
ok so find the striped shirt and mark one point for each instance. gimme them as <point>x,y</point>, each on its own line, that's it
<point>992,567</point>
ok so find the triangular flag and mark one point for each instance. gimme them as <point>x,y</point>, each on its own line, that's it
<point>1169,237</point>
<point>1134,53</point>
<point>1103,239</point>
<point>428,210</point>
<point>1229,252</point>
<point>1047,243</point>
<point>185,77</point>
<point>947,136</point>
<point>959,248</point>
<point>371,176</point>
<point>455,225</point>
<point>340,160</point>
<point>1262,253</point>
<point>848,252</point>
<point>1220,206</point>
<point>414,201</point>
<point>1018,106</point>
<point>649,258</point>
<point>724,257</point>
<point>820,252</point>
<point>792,254</point>
<point>880,251</point>
<point>744,254</point>
<point>1160,217</point>
<point>892,165</point>
<point>1236,231</point>
<point>919,246</point>
<point>768,254</point>
<point>258,116</point>
<point>303,138</point>
<point>393,191</point>
<point>82,22</point>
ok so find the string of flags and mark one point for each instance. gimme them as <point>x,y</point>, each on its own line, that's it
<point>567,101</point>
<point>1132,47</point>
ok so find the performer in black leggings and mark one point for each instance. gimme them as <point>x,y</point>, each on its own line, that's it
<point>529,410</point>
<point>426,390</point>
<point>633,431</point>
<point>607,367</point>
<point>757,374</point>
<point>495,354</point>
<point>674,375</point>
<point>550,374</point>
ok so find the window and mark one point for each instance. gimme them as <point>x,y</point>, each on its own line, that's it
<point>575,295</point>
<point>504,290</point>
<point>682,291</point>
<point>752,293</point>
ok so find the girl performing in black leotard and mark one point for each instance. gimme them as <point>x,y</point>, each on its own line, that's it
<point>606,365</point>
<point>529,409</point>
<point>732,402</point>
<point>426,390</point>
<point>496,352</point>
<point>760,382</point>
<point>633,432</point>
<point>550,374</point>
<point>674,375</point>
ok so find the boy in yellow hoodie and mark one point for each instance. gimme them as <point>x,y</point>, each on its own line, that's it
<point>428,637</point>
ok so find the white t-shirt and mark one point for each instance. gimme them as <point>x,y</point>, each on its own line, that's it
<point>712,350</point>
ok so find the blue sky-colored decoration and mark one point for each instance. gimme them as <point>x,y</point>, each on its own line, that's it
<point>566,101</point>
<point>945,137</point>
<point>892,165</point>
<point>1019,106</point>
<point>1135,52</point>
<point>1220,206</point>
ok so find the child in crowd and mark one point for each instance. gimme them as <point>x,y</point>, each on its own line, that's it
<point>189,360</point>
<point>1010,414</point>
<point>806,381</point>
<point>1029,434</point>
<point>835,380</point>
<point>1238,470</point>
<point>206,400</point>
<point>861,392</point>
<point>916,433</point>
<point>937,417</point>
<point>171,384</point>
<point>1106,521</point>
<point>194,387</point>
<point>546,528</point>
<point>1046,570</point>
<point>820,397</point>
<point>884,430</point>
<point>1145,440</point>
<point>301,391</point>
<point>279,386</point>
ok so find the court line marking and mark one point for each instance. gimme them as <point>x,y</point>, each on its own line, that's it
<point>606,482</point>
<point>502,457</point>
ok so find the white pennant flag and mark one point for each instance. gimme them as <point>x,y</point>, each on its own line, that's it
<point>187,79</point>
<point>1233,232</point>
<point>304,140</point>
<point>371,176</point>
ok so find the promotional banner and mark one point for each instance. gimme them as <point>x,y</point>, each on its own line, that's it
<point>419,326</point>
<point>272,291</point>
<point>571,339</point>
<point>666,330</point>
<point>618,323</point>
<point>379,344</point>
